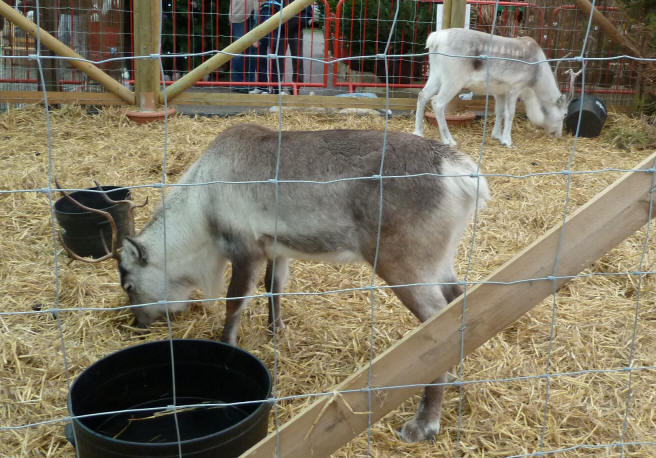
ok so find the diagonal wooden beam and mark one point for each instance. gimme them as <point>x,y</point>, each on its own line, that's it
<point>434,347</point>
<point>609,29</point>
<point>61,49</point>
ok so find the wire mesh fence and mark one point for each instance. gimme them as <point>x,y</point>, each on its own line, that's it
<point>555,349</point>
<point>337,29</point>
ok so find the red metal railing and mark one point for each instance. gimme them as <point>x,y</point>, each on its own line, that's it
<point>354,29</point>
<point>602,77</point>
<point>215,79</point>
<point>409,71</point>
<point>99,42</point>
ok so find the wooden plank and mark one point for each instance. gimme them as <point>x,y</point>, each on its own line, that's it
<point>215,98</point>
<point>446,14</point>
<point>224,99</point>
<point>606,220</point>
<point>66,98</point>
<point>458,14</point>
<point>146,71</point>
<point>61,49</point>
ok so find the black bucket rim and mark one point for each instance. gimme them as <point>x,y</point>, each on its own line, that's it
<point>104,189</point>
<point>263,404</point>
<point>587,96</point>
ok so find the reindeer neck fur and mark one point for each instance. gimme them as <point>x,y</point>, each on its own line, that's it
<point>546,87</point>
<point>188,244</point>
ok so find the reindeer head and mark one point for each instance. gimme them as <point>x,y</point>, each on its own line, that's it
<point>552,115</point>
<point>146,281</point>
<point>133,266</point>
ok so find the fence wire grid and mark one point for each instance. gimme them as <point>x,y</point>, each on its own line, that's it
<point>639,274</point>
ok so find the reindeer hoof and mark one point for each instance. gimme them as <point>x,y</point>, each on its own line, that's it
<point>505,143</point>
<point>415,431</point>
<point>418,133</point>
<point>280,327</point>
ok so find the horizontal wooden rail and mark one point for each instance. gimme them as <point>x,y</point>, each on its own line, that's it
<point>255,101</point>
<point>64,98</point>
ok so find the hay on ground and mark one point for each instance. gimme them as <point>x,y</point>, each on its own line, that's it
<point>327,336</point>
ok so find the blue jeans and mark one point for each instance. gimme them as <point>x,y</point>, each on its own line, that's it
<point>242,67</point>
<point>268,44</point>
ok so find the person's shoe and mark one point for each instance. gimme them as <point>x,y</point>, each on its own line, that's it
<point>240,90</point>
<point>257,90</point>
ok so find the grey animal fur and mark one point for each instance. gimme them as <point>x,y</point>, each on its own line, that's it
<point>509,80</point>
<point>206,226</point>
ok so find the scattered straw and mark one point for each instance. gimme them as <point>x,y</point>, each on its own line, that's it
<point>327,336</point>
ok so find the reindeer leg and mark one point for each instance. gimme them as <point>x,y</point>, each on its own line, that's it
<point>511,101</point>
<point>279,277</point>
<point>424,302</point>
<point>429,90</point>
<point>499,112</point>
<point>241,285</point>
<point>440,101</point>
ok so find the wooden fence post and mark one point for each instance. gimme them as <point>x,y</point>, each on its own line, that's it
<point>446,14</point>
<point>147,17</point>
<point>458,13</point>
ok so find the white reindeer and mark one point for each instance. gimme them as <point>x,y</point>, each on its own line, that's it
<point>316,216</point>
<point>508,80</point>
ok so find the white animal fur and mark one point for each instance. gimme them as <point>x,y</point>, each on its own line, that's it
<point>508,80</point>
<point>423,217</point>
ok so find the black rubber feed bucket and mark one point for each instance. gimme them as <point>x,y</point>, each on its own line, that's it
<point>140,377</point>
<point>593,116</point>
<point>81,230</point>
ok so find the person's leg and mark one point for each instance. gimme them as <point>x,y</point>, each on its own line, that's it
<point>237,62</point>
<point>251,52</point>
<point>262,64</point>
<point>295,39</point>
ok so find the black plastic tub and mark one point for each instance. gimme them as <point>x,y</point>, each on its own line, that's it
<point>593,116</point>
<point>82,231</point>
<point>140,377</point>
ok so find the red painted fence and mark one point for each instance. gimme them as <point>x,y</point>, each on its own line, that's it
<point>347,29</point>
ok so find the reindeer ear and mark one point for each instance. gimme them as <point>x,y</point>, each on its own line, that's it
<point>562,102</point>
<point>136,249</point>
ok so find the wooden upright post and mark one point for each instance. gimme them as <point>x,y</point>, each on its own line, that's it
<point>453,16</point>
<point>147,16</point>
<point>446,14</point>
<point>458,13</point>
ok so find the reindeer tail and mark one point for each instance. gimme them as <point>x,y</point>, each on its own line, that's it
<point>469,181</point>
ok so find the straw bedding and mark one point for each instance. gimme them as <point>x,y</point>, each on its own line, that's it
<point>327,336</point>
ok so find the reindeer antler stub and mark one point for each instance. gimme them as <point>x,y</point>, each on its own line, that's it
<point>93,219</point>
